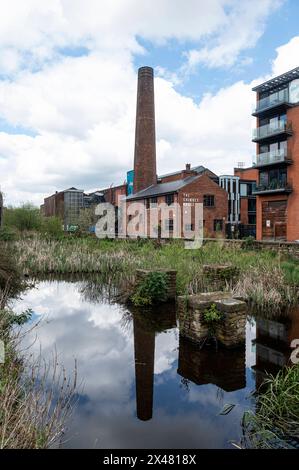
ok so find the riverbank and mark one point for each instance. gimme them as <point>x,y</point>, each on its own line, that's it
<point>275,424</point>
<point>265,278</point>
<point>30,417</point>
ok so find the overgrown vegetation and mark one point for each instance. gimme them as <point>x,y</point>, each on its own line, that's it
<point>276,420</point>
<point>36,398</point>
<point>212,317</point>
<point>151,290</point>
<point>26,220</point>
<point>265,278</point>
<point>11,279</point>
<point>262,276</point>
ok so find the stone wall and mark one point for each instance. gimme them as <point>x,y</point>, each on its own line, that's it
<point>230,332</point>
<point>219,275</point>
<point>141,274</point>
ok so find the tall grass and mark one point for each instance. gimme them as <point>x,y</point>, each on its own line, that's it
<point>36,398</point>
<point>276,421</point>
<point>262,277</point>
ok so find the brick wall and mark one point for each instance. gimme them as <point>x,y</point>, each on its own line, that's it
<point>293,177</point>
<point>54,205</point>
<point>250,174</point>
<point>196,190</point>
<point>205,186</point>
<point>145,173</point>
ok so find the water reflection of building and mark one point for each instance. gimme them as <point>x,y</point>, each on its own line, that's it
<point>146,325</point>
<point>224,368</point>
<point>273,340</point>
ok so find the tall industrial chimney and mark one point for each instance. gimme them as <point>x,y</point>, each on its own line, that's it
<point>145,172</point>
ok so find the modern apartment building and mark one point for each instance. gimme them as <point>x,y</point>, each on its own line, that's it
<point>241,221</point>
<point>277,157</point>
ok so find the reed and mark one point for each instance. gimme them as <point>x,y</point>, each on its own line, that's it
<point>263,279</point>
<point>276,421</point>
<point>36,398</point>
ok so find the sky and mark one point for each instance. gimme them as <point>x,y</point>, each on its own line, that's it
<point>68,80</point>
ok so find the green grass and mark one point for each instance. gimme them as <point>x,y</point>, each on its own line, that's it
<point>29,417</point>
<point>277,416</point>
<point>262,278</point>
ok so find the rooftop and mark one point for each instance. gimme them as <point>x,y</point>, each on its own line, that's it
<point>199,169</point>
<point>278,81</point>
<point>163,188</point>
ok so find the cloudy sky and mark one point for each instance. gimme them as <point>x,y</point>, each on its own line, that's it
<point>68,73</point>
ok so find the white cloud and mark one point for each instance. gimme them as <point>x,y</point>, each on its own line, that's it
<point>244,26</point>
<point>287,57</point>
<point>80,111</point>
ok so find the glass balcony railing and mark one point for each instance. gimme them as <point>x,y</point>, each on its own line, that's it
<point>274,156</point>
<point>272,186</point>
<point>275,99</point>
<point>271,129</point>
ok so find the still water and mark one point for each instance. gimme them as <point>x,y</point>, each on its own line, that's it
<point>141,385</point>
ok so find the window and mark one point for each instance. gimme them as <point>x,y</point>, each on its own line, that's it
<point>169,224</point>
<point>243,189</point>
<point>153,201</point>
<point>188,227</point>
<point>251,219</point>
<point>251,205</point>
<point>209,200</point>
<point>169,199</point>
<point>218,225</point>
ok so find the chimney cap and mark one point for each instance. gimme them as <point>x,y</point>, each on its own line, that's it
<point>146,70</point>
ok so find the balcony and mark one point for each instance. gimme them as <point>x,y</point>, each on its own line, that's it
<point>272,158</point>
<point>271,130</point>
<point>273,187</point>
<point>277,100</point>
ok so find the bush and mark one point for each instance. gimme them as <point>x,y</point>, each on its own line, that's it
<point>248,243</point>
<point>151,290</point>
<point>24,218</point>
<point>11,282</point>
<point>212,317</point>
<point>52,227</point>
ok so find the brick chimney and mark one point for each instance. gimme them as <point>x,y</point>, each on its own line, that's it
<point>145,172</point>
<point>187,171</point>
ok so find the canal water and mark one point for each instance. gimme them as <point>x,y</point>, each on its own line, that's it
<point>140,384</point>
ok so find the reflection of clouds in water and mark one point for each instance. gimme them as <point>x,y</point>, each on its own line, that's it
<point>93,333</point>
<point>250,350</point>
<point>166,351</point>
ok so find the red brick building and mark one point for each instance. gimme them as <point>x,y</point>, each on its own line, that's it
<point>185,188</point>
<point>186,192</point>
<point>277,157</point>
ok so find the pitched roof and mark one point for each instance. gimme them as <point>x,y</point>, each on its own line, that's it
<point>163,188</point>
<point>199,169</point>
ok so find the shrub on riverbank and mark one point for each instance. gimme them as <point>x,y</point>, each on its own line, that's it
<point>11,279</point>
<point>276,421</point>
<point>27,221</point>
